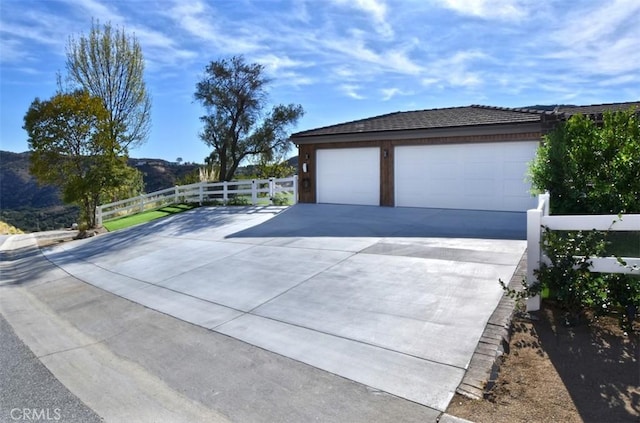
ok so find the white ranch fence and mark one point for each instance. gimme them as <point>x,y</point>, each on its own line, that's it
<point>539,218</point>
<point>203,192</point>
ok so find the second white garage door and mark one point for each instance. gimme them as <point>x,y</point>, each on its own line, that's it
<point>483,176</point>
<point>348,176</point>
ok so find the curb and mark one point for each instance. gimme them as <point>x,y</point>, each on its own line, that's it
<point>494,342</point>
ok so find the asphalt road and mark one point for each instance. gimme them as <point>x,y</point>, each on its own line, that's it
<point>29,392</point>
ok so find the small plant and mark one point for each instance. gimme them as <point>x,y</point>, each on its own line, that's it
<point>280,199</point>
<point>209,173</point>
<point>212,203</point>
<point>570,281</point>
<point>238,201</point>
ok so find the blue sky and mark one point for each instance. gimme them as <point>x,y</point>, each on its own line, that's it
<point>341,59</point>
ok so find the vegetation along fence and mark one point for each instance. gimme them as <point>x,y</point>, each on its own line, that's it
<point>250,191</point>
<point>539,218</point>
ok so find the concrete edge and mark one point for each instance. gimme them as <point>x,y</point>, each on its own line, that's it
<point>126,391</point>
<point>448,418</point>
<point>494,342</point>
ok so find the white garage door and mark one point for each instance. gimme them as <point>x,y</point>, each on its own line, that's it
<point>348,176</point>
<point>483,176</point>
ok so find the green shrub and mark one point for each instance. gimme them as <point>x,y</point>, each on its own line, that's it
<point>590,167</point>
<point>280,199</point>
<point>571,283</point>
<point>212,203</point>
<point>238,201</point>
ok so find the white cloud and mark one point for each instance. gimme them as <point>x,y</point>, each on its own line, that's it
<point>389,93</point>
<point>601,40</point>
<point>283,69</point>
<point>274,63</point>
<point>490,9</point>
<point>376,9</point>
<point>293,79</point>
<point>454,71</point>
<point>351,90</point>
<point>200,21</point>
<point>300,11</point>
<point>96,10</point>
<point>355,52</point>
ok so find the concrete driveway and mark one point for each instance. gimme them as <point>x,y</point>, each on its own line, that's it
<point>392,298</point>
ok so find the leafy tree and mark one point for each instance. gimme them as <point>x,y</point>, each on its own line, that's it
<point>72,148</point>
<point>109,64</point>
<point>589,167</point>
<point>234,94</point>
<point>274,169</point>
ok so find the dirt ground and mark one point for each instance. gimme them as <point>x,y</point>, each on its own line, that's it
<point>554,373</point>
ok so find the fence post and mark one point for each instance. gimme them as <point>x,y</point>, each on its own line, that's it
<point>201,193</point>
<point>141,203</point>
<point>546,197</point>
<point>254,193</point>
<point>272,188</point>
<point>99,216</point>
<point>225,193</point>
<point>295,189</point>
<point>534,222</point>
<point>176,197</point>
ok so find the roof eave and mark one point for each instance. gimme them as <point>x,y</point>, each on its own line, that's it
<point>407,134</point>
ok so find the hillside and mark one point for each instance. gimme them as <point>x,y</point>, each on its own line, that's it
<point>31,207</point>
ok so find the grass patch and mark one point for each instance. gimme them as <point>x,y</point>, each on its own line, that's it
<point>147,216</point>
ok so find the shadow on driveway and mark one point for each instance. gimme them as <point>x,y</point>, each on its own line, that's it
<point>329,220</point>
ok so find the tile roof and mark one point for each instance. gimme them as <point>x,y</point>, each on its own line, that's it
<point>597,108</point>
<point>474,115</point>
<point>428,119</point>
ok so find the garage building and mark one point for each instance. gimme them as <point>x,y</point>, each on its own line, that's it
<point>473,157</point>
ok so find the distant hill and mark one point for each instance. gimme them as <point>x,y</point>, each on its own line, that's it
<point>31,207</point>
<point>160,174</point>
<point>18,188</point>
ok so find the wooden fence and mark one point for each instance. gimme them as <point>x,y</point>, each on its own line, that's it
<point>539,218</point>
<point>253,191</point>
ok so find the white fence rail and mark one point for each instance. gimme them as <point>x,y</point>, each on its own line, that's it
<point>254,191</point>
<point>539,218</point>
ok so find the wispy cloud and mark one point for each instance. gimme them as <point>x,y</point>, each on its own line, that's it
<point>284,69</point>
<point>490,9</point>
<point>160,49</point>
<point>351,90</point>
<point>389,93</point>
<point>455,71</point>
<point>274,63</point>
<point>375,55</point>
<point>376,9</point>
<point>200,20</point>
<point>601,40</point>
<point>355,51</point>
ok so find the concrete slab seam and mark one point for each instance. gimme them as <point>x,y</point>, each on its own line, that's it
<point>340,337</point>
